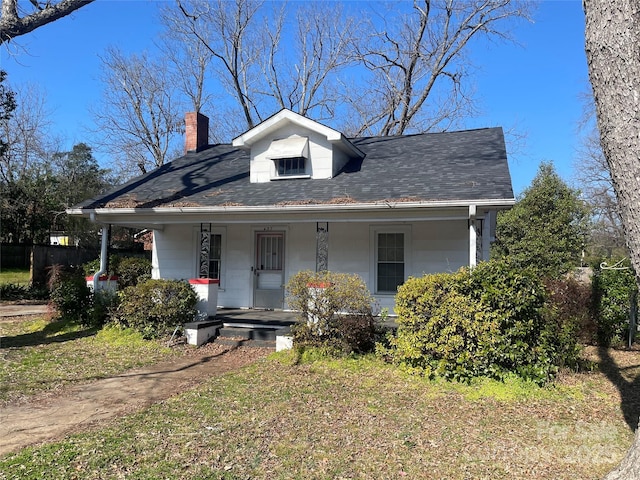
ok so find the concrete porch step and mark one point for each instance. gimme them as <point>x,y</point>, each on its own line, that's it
<point>246,333</point>
<point>245,342</point>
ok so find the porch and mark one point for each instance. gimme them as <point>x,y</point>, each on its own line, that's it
<point>236,327</point>
<point>249,327</point>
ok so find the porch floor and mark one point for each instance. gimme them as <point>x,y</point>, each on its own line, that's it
<point>255,316</point>
<point>269,317</point>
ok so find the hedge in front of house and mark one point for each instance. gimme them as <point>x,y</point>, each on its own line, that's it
<point>336,312</point>
<point>129,270</point>
<point>487,321</point>
<point>156,307</point>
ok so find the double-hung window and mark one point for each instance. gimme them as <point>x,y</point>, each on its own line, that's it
<point>215,255</point>
<point>211,252</point>
<point>390,258</point>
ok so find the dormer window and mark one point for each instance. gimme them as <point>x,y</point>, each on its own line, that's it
<point>290,157</point>
<point>288,146</point>
<point>291,166</point>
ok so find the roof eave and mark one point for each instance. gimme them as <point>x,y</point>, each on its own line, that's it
<point>333,207</point>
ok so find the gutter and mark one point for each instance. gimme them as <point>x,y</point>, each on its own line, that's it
<point>505,203</point>
<point>104,244</point>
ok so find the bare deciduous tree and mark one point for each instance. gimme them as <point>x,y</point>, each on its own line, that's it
<point>14,22</point>
<point>612,44</point>
<point>189,58</point>
<point>26,134</point>
<point>139,117</point>
<point>592,172</point>
<point>417,63</point>
<point>229,31</point>
<point>303,78</point>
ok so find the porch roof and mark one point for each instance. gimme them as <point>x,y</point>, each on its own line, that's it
<point>450,168</point>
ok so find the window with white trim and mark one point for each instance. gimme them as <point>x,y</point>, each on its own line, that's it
<point>215,256</point>
<point>291,166</point>
<point>211,246</point>
<point>290,157</point>
<point>390,258</point>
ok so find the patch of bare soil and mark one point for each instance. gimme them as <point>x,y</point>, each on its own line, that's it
<point>46,417</point>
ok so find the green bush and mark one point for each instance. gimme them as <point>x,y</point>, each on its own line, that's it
<point>129,270</point>
<point>486,321</point>
<point>91,267</point>
<point>71,297</point>
<point>612,291</point>
<point>571,308</point>
<point>336,312</point>
<point>13,291</point>
<point>16,291</point>
<point>156,307</point>
<point>132,270</point>
<point>103,306</point>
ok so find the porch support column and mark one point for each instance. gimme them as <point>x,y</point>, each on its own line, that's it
<point>486,235</point>
<point>322,246</point>
<point>473,237</point>
<point>205,246</point>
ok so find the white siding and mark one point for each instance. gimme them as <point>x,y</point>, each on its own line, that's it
<point>173,252</point>
<point>439,246</point>
<point>435,246</point>
<point>320,155</point>
<point>349,249</point>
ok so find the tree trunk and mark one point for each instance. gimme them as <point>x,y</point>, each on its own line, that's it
<point>613,55</point>
<point>629,468</point>
<point>612,44</point>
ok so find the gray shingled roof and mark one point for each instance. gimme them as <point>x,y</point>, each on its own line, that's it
<point>450,166</point>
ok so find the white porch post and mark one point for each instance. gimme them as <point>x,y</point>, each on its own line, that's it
<point>473,239</point>
<point>486,234</point>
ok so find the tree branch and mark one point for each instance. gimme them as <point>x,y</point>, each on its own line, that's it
<point>12,26</point>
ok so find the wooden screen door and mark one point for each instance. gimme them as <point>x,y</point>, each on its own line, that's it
<point>269,270</point>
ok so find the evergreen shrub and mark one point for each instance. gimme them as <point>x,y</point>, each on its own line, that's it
<point>487,321</point>
<point>156,307</point>
<point>571,307</point>
<point>613,290</point>
<point>336,312</point>
<point>129,270</point>
<point>71,297</point>
<point>132,270</point>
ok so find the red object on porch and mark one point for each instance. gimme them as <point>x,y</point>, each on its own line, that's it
<point>103,278</point>
<point>204,281</point>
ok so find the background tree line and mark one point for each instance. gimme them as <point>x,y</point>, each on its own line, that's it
<point>385,72</point>
<point>611,42</point>
<point>38,180</point>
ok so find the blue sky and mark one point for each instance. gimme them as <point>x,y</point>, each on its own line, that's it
<point>533,87</point>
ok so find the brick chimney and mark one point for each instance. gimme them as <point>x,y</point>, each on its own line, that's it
<point>196,132</point>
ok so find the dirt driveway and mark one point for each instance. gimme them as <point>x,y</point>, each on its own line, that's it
<point>47,417</point>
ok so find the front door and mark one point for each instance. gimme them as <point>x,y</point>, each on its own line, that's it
<point>268,289</point>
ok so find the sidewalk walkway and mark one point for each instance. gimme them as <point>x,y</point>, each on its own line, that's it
<point>22,309</point>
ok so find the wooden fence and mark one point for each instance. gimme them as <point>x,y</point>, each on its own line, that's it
<point>39,258</point>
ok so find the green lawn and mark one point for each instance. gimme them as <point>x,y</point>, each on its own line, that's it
<point>37,355</point>
<point>356,419</point>
<point>14,276</point>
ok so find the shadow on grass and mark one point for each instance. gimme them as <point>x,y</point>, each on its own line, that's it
<point>629,389</point>
<point>177,368</point>
<point>49,334</point>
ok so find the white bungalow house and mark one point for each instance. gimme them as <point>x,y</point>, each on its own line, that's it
<point>292,194</point>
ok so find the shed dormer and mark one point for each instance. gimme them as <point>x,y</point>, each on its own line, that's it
<point>288,146</point>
